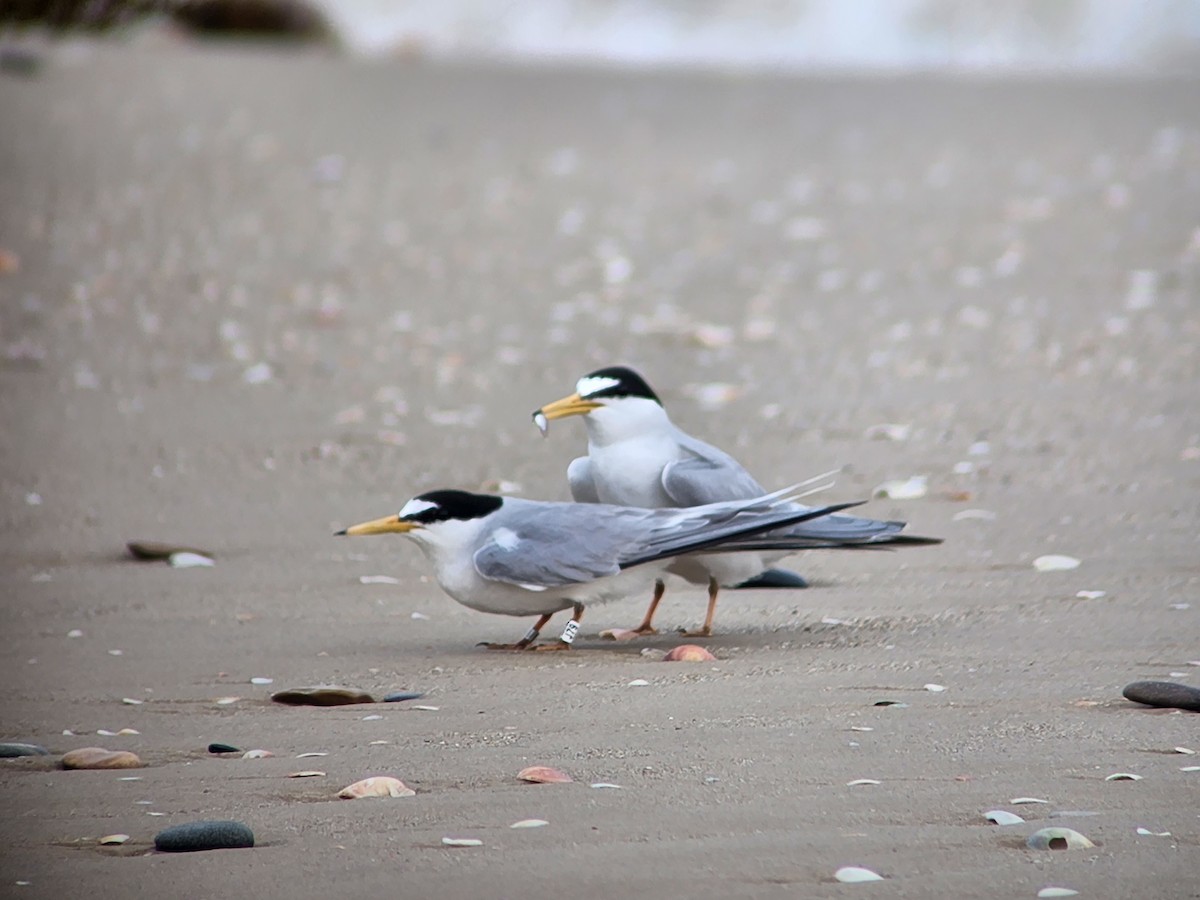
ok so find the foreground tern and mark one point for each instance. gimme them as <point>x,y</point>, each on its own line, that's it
<point>520,557</point>
<point>638,457</point>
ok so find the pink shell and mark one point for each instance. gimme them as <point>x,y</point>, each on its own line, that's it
<point>689,653</point>
<point>378,786</point>
<point>544,775</point>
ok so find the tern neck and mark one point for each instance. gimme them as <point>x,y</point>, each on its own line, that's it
<point>625,419</point>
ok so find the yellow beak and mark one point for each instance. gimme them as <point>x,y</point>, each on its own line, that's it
<point>386,525</point>
<point>573,405</point>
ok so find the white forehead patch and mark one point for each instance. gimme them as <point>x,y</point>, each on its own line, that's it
<point>415,507</point>
<point>586,387</point>
<point>506,538</point>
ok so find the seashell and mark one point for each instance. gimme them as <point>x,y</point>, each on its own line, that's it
<point>377,786</point>
<point>888,431</point>
<point>1146,832</point>
<point>1057,838</point>
<point>985,515</point>
<point>858,781</point>
<point>544,775</point>
<point>127,731</point>
<point>261,680</point>
<point>638,682</point>
<point>307,773</point>
<point>1057,892</point>
<point>132,701</point>
<point>377,579</point>
<point>104,732</point>
<point>257,754</point>
<point>1055,563</point>
<point>158,550</point>
<point>461,842</point>
<point>75,633</point>
<point>211,835</point>
<point>188,560</point>
<point>603,785</point>
<point>1185,750</point>
<point>13,750</point>
<point>861,728</point>
<point>529,823</point>
<point>374,718</point>
<point>1123,776</point>
<point>1002,817</point>
<point>899,704</point>
<point>1018,800</point>
<point>227,701</point>
<point>310,754</point>
<point>100,758</point>
<point>322,695</point>
<point>425,708</point>
<point>1164,694</point>
<point>912,488</point>
<point>113,839</point>
<point>856,875</point>
<point>935,688</point>
<point>223,748</point>
<point>689,653</point>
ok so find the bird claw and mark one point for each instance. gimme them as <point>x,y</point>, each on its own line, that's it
<point>545,648</point>
<point>520,645</point>
<point>702,633</point>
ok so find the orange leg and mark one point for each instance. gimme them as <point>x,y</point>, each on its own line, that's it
<point>706,631</point>
<point>568,635</point>
<point>647,627</point>
<point>530,636</point>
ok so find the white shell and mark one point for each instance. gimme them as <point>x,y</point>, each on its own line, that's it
<point>186,560</point>
<point>257,754</point>
<point>114,839</point>
<point>529,823</point>
<point>462,842</point>
<point>985,515</point>
<point>638,682</point>
<point>1090,595</point>
<point>1057,892</point>
<point>856,875</point>
<point>377,786</point>
<point>1123,776</point>
<point>858,781</point>
<point>1188,750</point>
<point>605,784</point>
<point>1002,817</point>
<point>1148,832</point>
<point>1043,839</point>
<point>377,579</point>
<point>912,488</point>
<point>935,688</point>
<point>1055,563</point>
<point>261,680</point>
<point>1016,800</point>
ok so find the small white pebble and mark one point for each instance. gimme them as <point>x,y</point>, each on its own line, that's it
<point>862,781</point>
<point>261,680</point>
<point>33,498</point>
<point>638,682</point>
<point>856,875</point>
<point>1055,563</point>
<point>377,579</point>
<point>935,688</point>
<point>529,823</point>
<point>116,652</point>
<point>75,633</point>
<point>132,701</point>
<point>462,842</point>
<point>1090,595</point>
<point>418,616</point>
<point>372,718</point>
<point>912,488</point>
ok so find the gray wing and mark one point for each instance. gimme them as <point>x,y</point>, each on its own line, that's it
<point>583,485</point>
<point>707,475</point>
<point>831,532</point>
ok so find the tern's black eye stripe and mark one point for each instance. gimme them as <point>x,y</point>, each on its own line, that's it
<point>443,505</point>
<point>621,382</point>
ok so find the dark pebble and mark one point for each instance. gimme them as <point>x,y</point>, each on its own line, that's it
<point>322,695</point>
<point>223,748</point>
<point>1164,693</point>
<point>12,751</point>
<point>213,835</point>
<point>397,696</point>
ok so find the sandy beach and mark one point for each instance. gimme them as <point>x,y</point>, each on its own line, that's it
<point>255,296</point>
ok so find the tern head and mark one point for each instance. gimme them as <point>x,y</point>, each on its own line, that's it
<point>433,510</point>
<point>613,399</point>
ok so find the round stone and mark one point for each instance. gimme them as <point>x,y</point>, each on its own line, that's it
<point>322,695</point>
<point>1167,694</point>
<point>12,751</point>
<point>100,758</point>
<point>219,834</point>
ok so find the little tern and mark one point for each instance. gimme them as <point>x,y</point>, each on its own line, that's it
<point>638,457</point>
<point>520,557</point>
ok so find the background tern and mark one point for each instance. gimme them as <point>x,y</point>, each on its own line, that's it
<point>638,457</point>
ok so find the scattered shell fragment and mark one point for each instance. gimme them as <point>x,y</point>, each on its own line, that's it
<point>935,688</point>
<point>1187,751</point>
<point>377,786</point>
<point>544,775</point>
<point>100,758</point>
<point>1189,768</point>
<point>132,701</point>
<point>104,732</point>
<point>1164,694</point>
<point>159,550</point>
<point>1057,838</point>
<point>127,731</point>
<point>1146,832</point>
<point>1051,891</point>
<point>529,823</point>
<point>985,515</point>
<point>1090,595</point>
<point>911,488</point>
<point>1018,800</point>
<point>638,682</point>
<point>861,728</point>
<point>461,842</point>
<point>858,781</point>
<point>227,701</point>
<point>260,680</point>
<point>605,785</point>
<point>257,754</point>
<point>688,653</point>
<point>1002,817</point>
<point>114,839</point>
<point>898,704</point>
<point>856,875</point>
<point>75,633</point>
<point>424,708</point>
<point>888,431</point>
<point>307,773</point>
<point>1123,776</point>
<point>310,754</point>
<point>377,579</point>
<point>372,718</point>
<point>187,560</point>
<point>322,695</point>
<point>1055,563</point>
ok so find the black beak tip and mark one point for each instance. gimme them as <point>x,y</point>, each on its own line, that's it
<point>341,533</point>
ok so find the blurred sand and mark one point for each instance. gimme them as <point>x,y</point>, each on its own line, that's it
<point>421,256</point>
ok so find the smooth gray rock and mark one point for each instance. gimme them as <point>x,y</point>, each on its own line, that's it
<point>220,834</point>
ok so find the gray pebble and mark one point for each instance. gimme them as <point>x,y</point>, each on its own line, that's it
<point>223,748</point>
<point>1164,693</point>
<point>397,696</point>
<point>11,751</point>
<point>209,835</point>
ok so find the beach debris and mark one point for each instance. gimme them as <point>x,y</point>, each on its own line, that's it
<point>1166,694</point>
<point>221,834</point>
<point>1146,832</point>
<point>226,701</point>
<point>605,785</point>
<point>424,708</point>
<point>1189,768</point>
<point>1186,751</point>
<point>544,775</point>
<point>1057,838</point>
<point>322,695</point>
<point>223,748</point>
<point>307,773</point>
<point>861,728</point>
<point>1051,891</point>
<point>1123,776</point>
<point>889,431</point>
<point>688,653</point>
<point>856,875</point>
<point>935,688</point>
<point>529,823</point>
<point>310,754</point>
<point>1055,563</point>
<point>1002,817</point>
<point>188,560</point>
<point>1017,801</point>
<point>638,682</point>
<point>158,550</point>
<point>110,839</point>
<point>261,680</point>
<point>899,704</point>
<point>259,373</point>
<point>376,786</point>
<point>377,579</point>
<point>257,754</point>
<point>912,488</point>
<point>461,842</point>
<point>100,758</point>
<point>14,750</point>
<point>983,515</point>
<point>75,633</point>
<point>1090,595</point>
<point>859,781</point>
<point>400,696</point>
<point>131,701</point>
<point>372,718</point>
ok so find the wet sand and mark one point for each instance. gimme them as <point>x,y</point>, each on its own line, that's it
<point>420,256</point>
